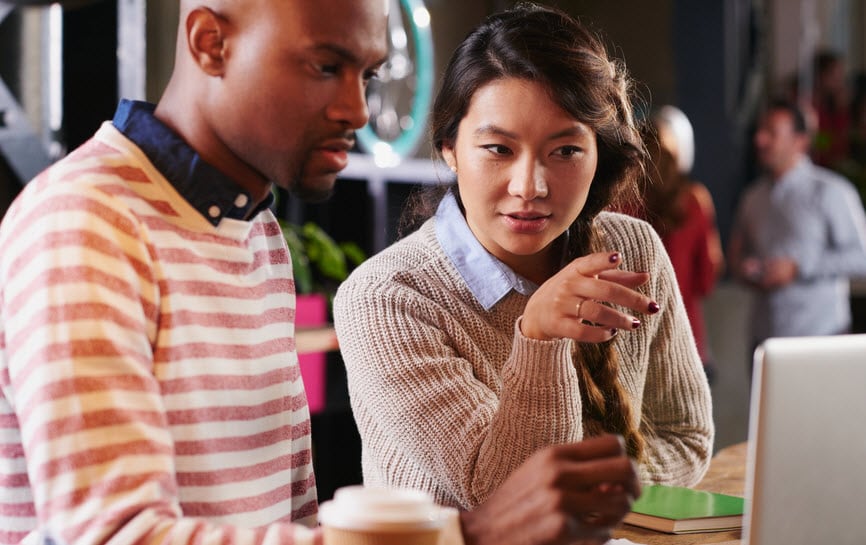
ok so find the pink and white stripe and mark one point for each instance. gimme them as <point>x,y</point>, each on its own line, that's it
<point>149,384</point>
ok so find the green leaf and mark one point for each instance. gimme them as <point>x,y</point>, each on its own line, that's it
<point>301,267</point>
<point>317,260</point>
<point>324,252</point>
<point>354,254</point>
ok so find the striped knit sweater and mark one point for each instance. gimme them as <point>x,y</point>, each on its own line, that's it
<point>451,398</point>
<point>149,385</point>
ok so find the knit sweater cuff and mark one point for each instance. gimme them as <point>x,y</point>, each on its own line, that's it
<point>545,361</point>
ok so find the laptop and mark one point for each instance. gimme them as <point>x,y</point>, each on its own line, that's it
<point>806,462</point>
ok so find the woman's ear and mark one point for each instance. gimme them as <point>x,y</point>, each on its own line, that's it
<point>205,38</point>
<point>450,157</point>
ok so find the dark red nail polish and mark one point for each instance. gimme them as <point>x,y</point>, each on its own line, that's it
<point>653,307</point>
<point>635,323</point>
<point>614,258</point>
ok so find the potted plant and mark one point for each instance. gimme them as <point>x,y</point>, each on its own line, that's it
<point>319,264</point>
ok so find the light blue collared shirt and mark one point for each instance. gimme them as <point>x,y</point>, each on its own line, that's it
<point>488,279</point>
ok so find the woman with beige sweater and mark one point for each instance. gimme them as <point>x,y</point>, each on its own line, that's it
<point>521,315</point>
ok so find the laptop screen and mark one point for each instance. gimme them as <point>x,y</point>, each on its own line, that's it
<point>806,463</point>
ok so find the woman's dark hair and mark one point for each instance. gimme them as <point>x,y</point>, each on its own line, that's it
<point>545,45</point>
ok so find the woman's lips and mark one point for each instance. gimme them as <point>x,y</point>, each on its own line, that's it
<point>526,223</point>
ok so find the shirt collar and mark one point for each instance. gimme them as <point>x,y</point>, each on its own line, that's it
<point>488,278</point>
<point>793,174</point>
<point>213,194</point>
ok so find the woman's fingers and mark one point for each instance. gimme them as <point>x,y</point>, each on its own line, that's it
<point>595,314</point>
<point>629,279</point>
<point>597,263</point>
<point>589,300</point>
<point>598,279</point>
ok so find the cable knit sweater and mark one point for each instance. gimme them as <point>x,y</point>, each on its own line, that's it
<point>451,398</point>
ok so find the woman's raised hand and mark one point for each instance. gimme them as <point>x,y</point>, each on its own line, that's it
<point>576,302</point>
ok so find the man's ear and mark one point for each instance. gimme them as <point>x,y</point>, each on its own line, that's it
<point>205,38</point>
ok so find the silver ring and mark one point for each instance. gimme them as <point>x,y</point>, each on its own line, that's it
<point>577,309</point>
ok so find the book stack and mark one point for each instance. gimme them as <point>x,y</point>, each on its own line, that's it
<point>677,510</point>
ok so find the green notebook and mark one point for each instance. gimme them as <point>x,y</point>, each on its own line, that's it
<point>677,510</point>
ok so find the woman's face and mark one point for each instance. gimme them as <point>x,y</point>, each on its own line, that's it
<point>524,168</point>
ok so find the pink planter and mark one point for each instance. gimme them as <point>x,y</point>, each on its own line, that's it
<point>312,311</point>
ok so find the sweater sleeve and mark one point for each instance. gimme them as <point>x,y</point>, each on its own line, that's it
<point>96,460</point>
<point>676,407</point>
<point>434,408</point>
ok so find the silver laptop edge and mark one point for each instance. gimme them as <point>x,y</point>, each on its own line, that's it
<point>806,459</point>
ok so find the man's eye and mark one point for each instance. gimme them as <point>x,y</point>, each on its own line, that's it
<point>329,68</point>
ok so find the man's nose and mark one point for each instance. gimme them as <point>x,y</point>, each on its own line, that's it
<point>350,104</point>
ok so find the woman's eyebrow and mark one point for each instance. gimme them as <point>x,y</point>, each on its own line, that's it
<point>492,129</point>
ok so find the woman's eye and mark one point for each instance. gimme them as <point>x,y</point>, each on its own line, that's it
<point>329,68</point>
<point>498,149</point>
<point>567,151</point>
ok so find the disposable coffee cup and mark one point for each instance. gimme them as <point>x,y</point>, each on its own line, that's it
<point>378,516</point>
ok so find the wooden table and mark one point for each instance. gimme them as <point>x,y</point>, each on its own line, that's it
<point>727,474</point>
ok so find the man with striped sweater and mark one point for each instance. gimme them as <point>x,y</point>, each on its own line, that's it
<point>149,385</point>
<point>149,379</point>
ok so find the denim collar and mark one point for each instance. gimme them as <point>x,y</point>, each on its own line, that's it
<point>213,194</point>
<point>488,279</point>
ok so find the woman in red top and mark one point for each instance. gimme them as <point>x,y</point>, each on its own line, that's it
<point>682,212</point>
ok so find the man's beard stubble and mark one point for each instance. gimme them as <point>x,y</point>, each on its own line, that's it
<point>308,192</point>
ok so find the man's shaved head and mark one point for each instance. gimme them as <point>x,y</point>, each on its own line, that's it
<point>273,90</point>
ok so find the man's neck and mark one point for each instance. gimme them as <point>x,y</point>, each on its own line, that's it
<point>778,174</point>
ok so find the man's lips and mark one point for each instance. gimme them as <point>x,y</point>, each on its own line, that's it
<point>338,144</point>
<point>335,153</point>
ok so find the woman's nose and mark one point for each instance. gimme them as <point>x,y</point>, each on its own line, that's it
<point>528,181</point>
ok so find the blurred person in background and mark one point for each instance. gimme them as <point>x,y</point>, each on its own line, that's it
<point>799,234</point>
<point>682,212</point>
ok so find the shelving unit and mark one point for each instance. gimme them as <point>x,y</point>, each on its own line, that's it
<point>408,171</point>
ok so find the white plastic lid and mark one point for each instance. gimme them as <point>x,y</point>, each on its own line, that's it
<point>362,508</point>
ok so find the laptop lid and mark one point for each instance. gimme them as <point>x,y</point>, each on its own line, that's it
<point>806,462</point>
